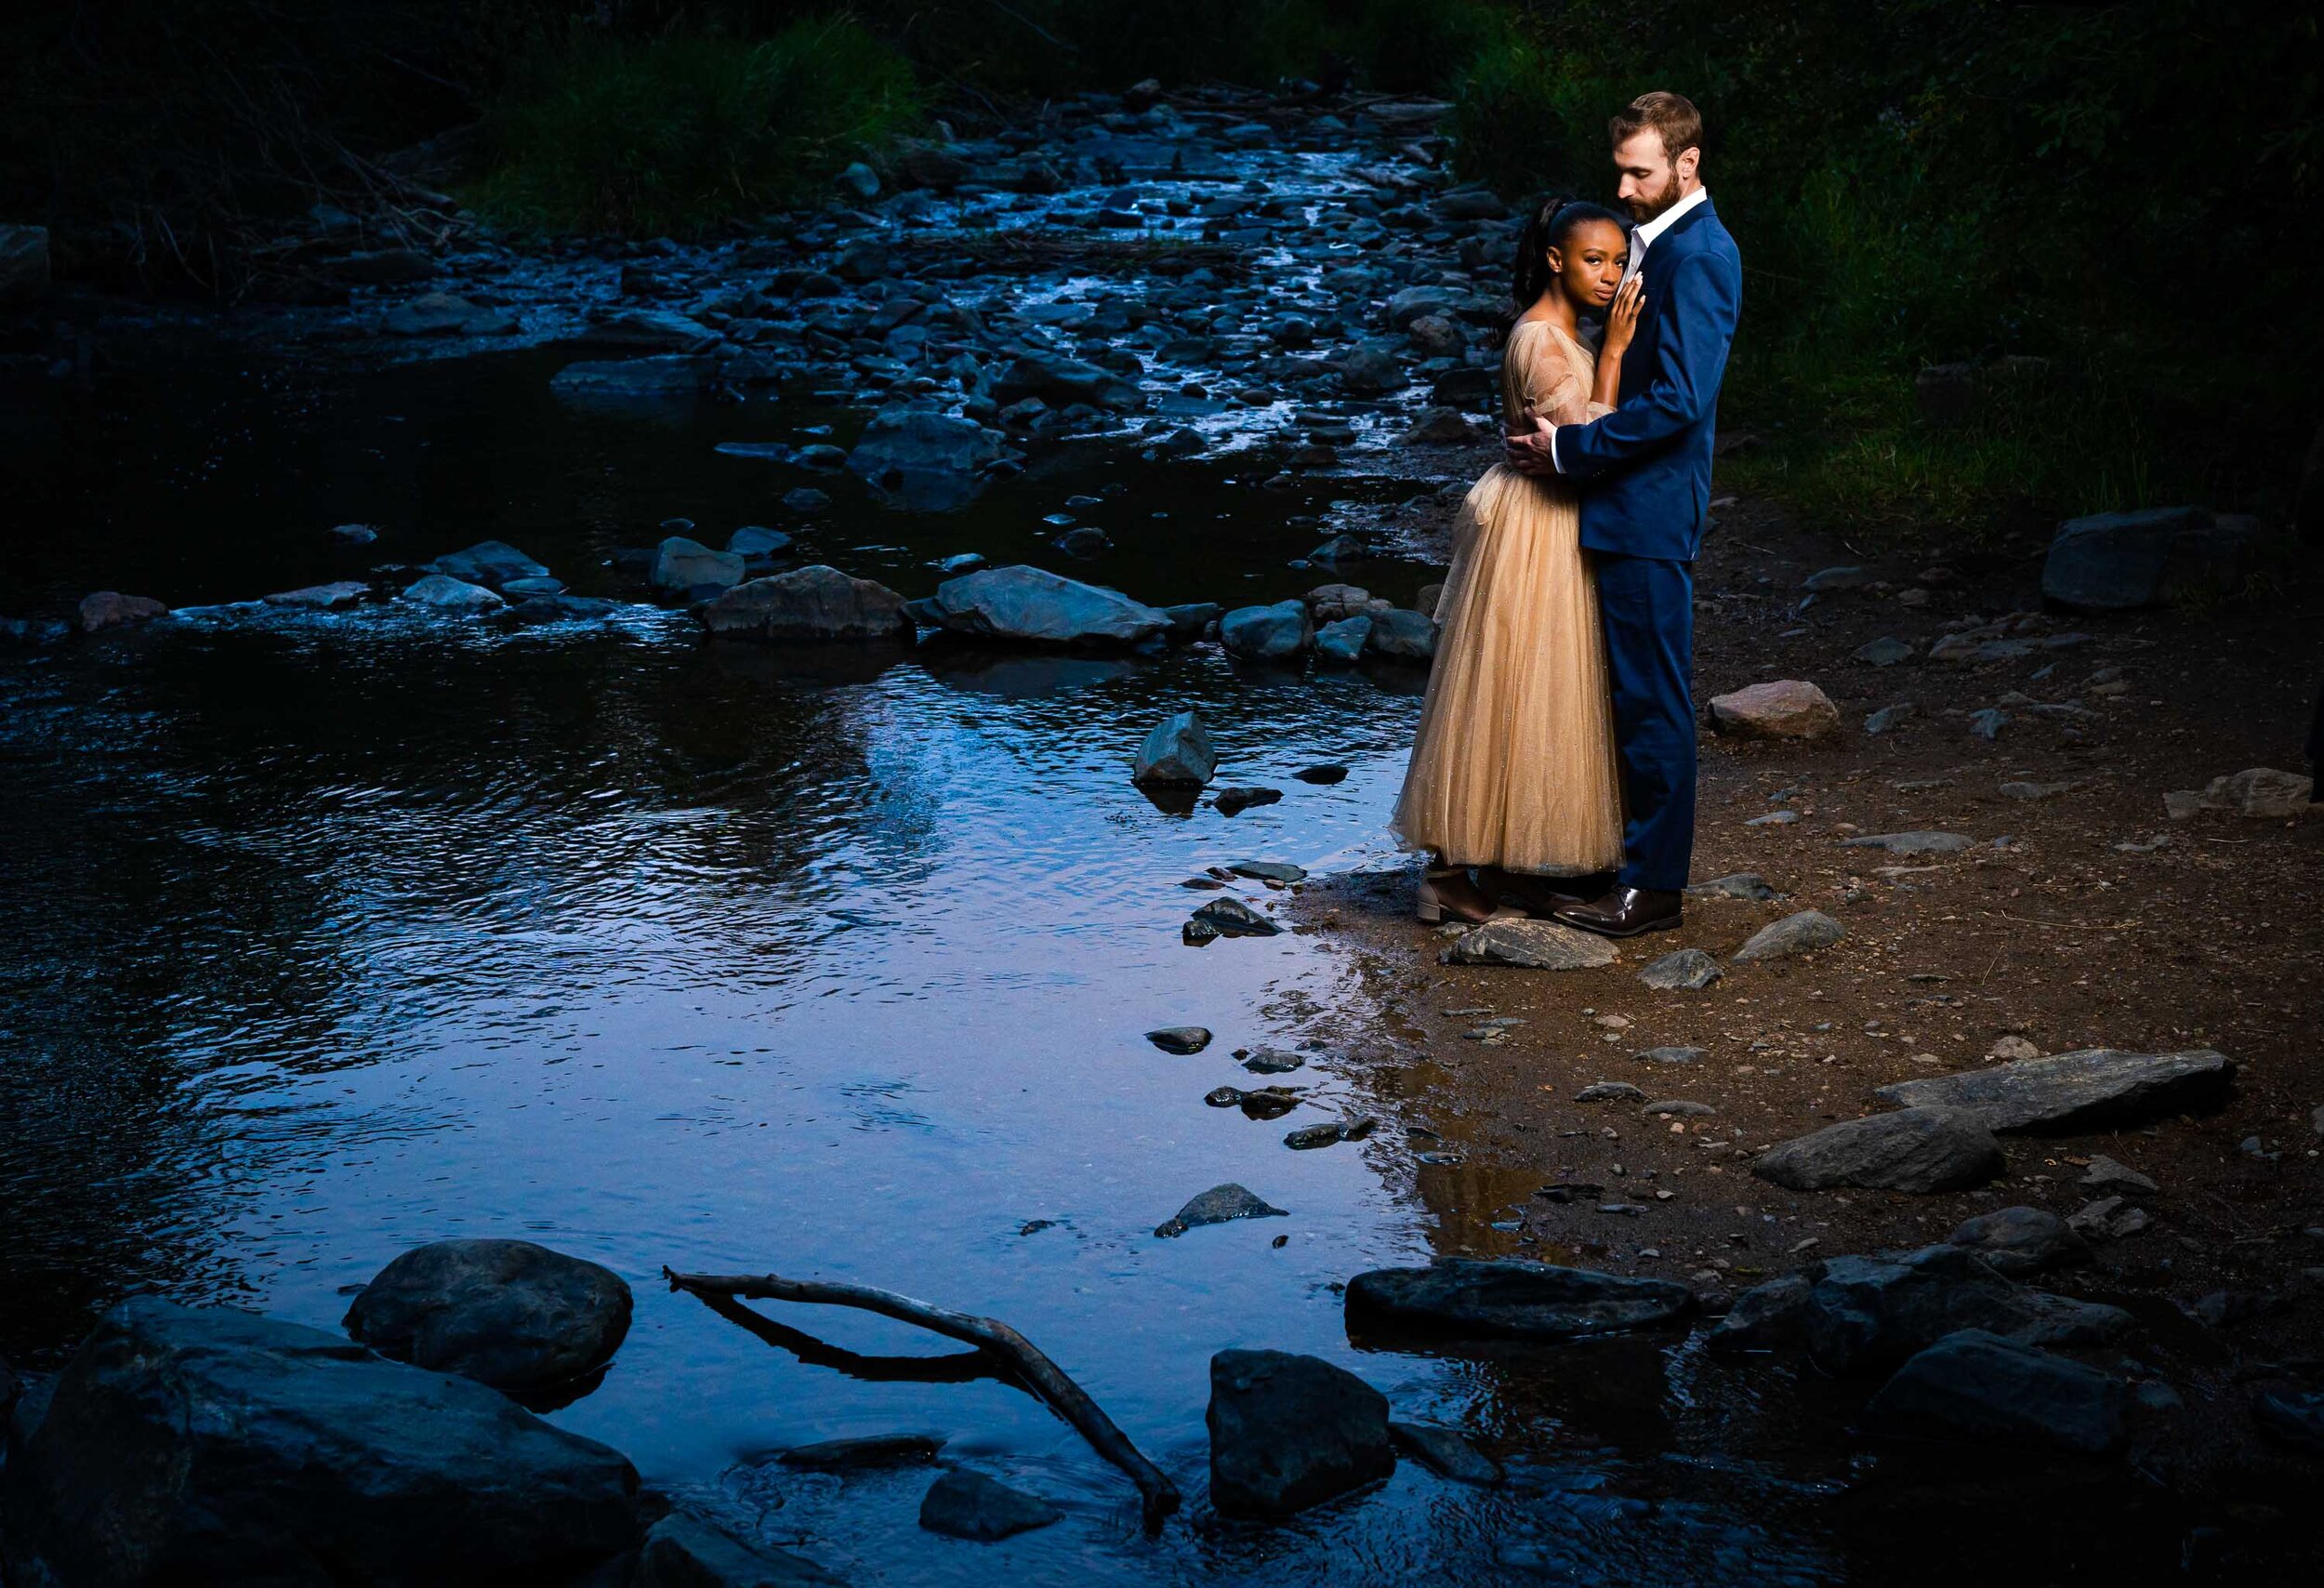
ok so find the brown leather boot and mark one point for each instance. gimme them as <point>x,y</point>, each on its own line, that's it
<point>1624,912</point>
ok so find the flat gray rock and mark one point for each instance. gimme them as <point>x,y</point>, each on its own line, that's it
<point>1741,885</point>
<point>2087,1089</point>
<point>505,1312</point>
<point>1288,1432</point>
<point>1884,651</point>
<point>1610,1092</point>
<point>1916,1149</point>
<point>1530,1301</point>
<point>1036,607</point>
<point>1688,970</point>
<point>1219,1205</point>
<point>1793,935</point>
<point>206,1445</point>
<point>445,593</point>
<point>1678,1108</point>
<point>2118,561</point>
<point>2018,1241</point>
<point>1233,918</point>
<point>1530,945</point>
<point>1671,1056</point>
<point>1912,843</point>
<point>965,1504</point>
<point>1976,1387</point>
<point>1269,870</point>
<point>1445,1453</point>
<point>680,564</point>
<point>681,1551</point>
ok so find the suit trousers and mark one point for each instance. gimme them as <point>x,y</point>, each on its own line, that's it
<point>1648,607</point>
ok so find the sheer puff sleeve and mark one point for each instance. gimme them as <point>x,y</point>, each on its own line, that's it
<point>1556,378</point>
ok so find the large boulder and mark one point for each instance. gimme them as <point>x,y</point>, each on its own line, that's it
<point>1288,1432</point>
<point>187,1445</point>
<point>1061,382</point>
<point>680,565</point>
<point>1914,1149</point>
<point>1976,1387</point>
<point>23,262</point>
<point>1267,633</point>
<point>2067,1094</point>
<point>806,605</point>
<point>1176,754</point>
<point>505,1312</point>
<point>1781,708</point>
<point>2118,561</point>
<point>488,562</point>
<point>926,462</point>
<point>681,1551</point>
<point>1530,945</point>
<point>1866,1313</point>
<point>1041,608</point>
<point>1528,1301</point>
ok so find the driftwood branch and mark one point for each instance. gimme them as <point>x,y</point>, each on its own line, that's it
<point>1040,1375</point>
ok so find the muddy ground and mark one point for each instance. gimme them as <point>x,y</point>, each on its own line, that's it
<point>2084,918</point>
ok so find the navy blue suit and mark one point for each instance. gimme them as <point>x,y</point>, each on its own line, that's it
<point>1643,472</point>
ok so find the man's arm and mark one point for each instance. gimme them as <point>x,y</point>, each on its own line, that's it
<point>1694,331</point>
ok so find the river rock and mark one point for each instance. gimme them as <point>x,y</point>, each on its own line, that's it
<point>2296,1417</point>
<point>1672,1056</point>
<point>2018,1241</point>
<point>1341,643</point>
<point>1745,885</point>
<point>1371,370</point>
<point>1974,1385</point>
<point>681,565</point>
<point>1688,970</point>
<point>1866,1313</point>
<point>1781,708</point>
<point>1329,604</point>
<point>1061,382</point>
<point>444,314</point>
<point>806,605</point>
<point>1269,871</point>
<point>1609,1092</point>
<point>870,1453</point>
<point>2067,1094</point>
<point>1445,1453</point>
<point>1288,1432</point>
<point>2118,561</point>
<point>2106,1174</point>
<point>757,543</point>
<point>1764,1318</point>
<point>445,594</point>
<point>1792,935</point>
<point>1176,754</point>
<point>682,1552</point>
<point>1530,945</point>
<point>322,598</point>
<point>1270,1061</point>
<point>1884,651</point>
<point>1912,843</point>
<point>650,330</point>
<point>505,1312</point>
<point>488,562</point>
<point>1402,633</point>
<point>1219,1205</point>
<point>1028,604</point>
<point>23,263</point>
<point>1267,633</point>
<point>662,375</point>
<point>965,1504</point>
<point>2261,791</point>
<point>1233,918</point>
<point>1530,1301</point>
<point>1918,1149</point>
<point>186,1444</point>
<point>100,610</point>
<point>1180,1039</point>
<point>925,462</point>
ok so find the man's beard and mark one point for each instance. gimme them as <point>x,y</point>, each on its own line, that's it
<point>1642,211</point>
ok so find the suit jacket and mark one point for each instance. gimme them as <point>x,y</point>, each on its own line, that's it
<point>1644,469</point>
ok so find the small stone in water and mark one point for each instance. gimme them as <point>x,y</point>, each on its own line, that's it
<point>1180,1039</point>
<point>1235,918</point>
<point>1232,801</point>
<point>1198,934</point>
<point>1325,775</point>
<point>1270,1061</point>
<point>1269,870</point>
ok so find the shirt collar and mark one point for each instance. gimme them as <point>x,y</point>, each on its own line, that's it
<point>1645,234</point>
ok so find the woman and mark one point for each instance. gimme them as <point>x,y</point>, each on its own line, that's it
<point>1514,769</point>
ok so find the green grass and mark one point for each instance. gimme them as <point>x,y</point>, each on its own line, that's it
<point>675,134</point>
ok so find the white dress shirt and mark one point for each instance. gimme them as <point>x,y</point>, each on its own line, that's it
<point>1642,238</point>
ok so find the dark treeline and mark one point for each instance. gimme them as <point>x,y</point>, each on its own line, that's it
<point>2107,210</point>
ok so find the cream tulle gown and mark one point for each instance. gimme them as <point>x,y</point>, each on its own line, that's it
<point>1514,764</point>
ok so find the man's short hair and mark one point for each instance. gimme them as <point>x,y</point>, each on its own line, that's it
<point>1672,116</point>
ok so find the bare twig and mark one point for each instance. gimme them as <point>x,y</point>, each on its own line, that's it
<point>1040,1375</point>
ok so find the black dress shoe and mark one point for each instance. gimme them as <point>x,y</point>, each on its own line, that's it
<point>1624,912</point>
<point>1541,895</point>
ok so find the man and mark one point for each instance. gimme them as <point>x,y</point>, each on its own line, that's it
<point>1643,472</point>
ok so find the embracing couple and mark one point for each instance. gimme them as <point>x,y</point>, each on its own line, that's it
<point>1554,769</point>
